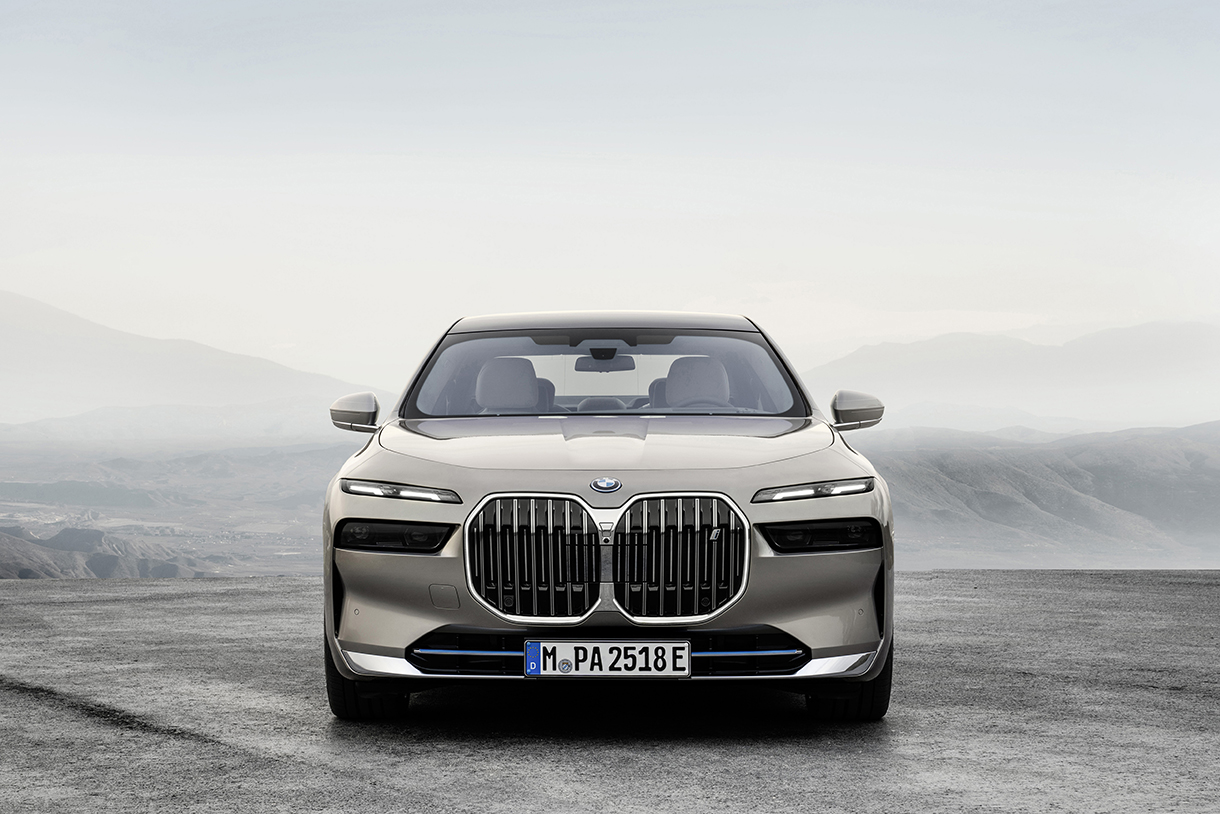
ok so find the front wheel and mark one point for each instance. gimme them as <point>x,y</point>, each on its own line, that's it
<point>854,700</point>
<point>362,700</point>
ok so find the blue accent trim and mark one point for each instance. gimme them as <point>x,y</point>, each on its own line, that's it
<point>534,645</point>
<point>428,652</point>
<point>748,653</point>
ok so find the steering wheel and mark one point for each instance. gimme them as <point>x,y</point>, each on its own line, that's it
<point>703,401</point>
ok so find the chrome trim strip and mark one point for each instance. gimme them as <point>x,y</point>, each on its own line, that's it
<point>367,664</point>
<point>855,664</point>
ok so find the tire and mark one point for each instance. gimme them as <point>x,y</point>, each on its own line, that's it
<point>850,701</point>
<point>363,700</point>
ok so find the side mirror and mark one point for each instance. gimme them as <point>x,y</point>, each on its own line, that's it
<point>355,412</point>
<point>855,411</point>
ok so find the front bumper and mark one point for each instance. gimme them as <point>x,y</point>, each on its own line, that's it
<point>368,665</point>
<point>836,606</point>
<point>833,607</point>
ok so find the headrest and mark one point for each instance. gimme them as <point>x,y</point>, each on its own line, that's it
<point>696,377</point>
<point>656,393</point>
<point>546,394</point>
<point>507,383</point>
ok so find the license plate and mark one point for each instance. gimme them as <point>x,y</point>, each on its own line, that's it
<point>608,659</point>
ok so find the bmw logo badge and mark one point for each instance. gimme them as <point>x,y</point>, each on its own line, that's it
<point>607,484</point>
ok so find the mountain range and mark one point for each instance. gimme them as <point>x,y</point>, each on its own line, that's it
<point>1147,498</point>
<point>1157,374</point>
<point>1137,498</point>
<point>998,452</point>
<point>65,378</point>
<point>75,553</point>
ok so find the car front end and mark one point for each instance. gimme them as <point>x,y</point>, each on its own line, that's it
<point>519,535</point>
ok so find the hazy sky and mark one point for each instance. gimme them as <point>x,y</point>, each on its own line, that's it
<point>330,184</point>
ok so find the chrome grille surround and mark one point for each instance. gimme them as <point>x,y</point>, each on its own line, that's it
<point>533,557</point>
<point>678,557</point>
<point>599,567</point>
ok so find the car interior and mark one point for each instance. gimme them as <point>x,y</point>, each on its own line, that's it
<point>512,385</point>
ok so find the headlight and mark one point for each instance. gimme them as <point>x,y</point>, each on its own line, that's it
<point>847,534</point>
<point>398,490</point>
<point>801,491</point>
<point>388,535</point>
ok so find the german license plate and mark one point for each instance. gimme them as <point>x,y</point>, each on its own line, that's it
<point>607,659</point>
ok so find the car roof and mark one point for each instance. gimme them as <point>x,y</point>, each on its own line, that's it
<point>603,319</point>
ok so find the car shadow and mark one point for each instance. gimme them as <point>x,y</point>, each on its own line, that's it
<point>609,712</point>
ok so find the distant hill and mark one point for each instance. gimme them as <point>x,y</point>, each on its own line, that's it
<point>227,512</point>
<point>1019,498</point>
<point>1137,498</point>
<point>1159,374</point>
<point>87,554</point>
<point>56,364</point>
<point>170,428</point>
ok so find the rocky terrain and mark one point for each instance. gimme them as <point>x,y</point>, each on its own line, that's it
<point>1133,499</point>
<point>231,512</point>
<point>74,553</point>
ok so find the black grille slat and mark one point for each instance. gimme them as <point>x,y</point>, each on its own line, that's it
<point>523,567</point>
<point>675,556</point>
<point>678,557</point>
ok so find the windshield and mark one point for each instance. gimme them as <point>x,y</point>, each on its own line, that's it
<point>604,371</point>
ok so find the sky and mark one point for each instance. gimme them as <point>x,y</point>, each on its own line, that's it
<point>332,184</point>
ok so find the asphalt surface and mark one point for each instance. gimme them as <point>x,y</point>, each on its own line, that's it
<point>1014,691</point>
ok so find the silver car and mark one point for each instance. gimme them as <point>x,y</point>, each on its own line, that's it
<point>608,496</point>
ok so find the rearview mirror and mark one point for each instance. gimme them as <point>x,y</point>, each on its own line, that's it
<point>357,411</point>
<point>855,411</point>
<point>592,363</point>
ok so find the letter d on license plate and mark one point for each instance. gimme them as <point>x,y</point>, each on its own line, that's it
<point>608,659</point>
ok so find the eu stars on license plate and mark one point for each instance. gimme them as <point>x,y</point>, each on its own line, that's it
<point>608,659</point>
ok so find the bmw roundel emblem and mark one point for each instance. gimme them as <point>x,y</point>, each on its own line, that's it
<point>607,484</point>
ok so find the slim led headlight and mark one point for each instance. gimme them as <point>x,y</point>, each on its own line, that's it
<point>840,534</point>
<point>398,490</point>
<point>801,491</point>
<point>392,536</point>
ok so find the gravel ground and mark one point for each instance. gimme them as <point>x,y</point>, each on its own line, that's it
<point>1014,691</point>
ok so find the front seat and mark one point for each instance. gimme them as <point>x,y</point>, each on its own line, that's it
<point>507,384</point>
<point>696,379</point>
<point>656,393</point>
<point>546,397</point>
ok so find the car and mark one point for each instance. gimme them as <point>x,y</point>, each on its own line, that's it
<point>608,495</point>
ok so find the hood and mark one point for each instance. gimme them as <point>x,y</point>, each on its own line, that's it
<point>606,442</point>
